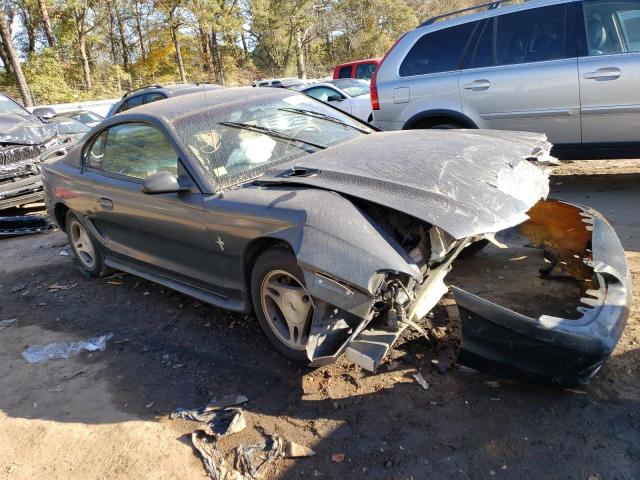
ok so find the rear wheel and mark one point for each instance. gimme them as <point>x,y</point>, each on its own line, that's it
<point>445,126</point>
<point>89,259</point>
<point>282,303</point>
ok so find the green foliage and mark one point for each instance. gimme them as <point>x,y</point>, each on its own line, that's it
<point>46,78</point>
<point>281,38</point>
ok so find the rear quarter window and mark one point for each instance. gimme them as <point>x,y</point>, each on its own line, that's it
<point>365,70</point>
<point>345,72</point>
<point>439,51</point>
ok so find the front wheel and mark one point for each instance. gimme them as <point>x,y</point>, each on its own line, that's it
<point>282,303</point>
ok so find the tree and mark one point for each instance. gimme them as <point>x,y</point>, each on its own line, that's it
<point>80,8</point>
<point>12,58</point>
<point>46,21</point>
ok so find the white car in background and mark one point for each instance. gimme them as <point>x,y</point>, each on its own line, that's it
<point>346,94</point>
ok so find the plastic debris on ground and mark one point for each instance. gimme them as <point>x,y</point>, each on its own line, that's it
<point>421,381</point>
<point>39,353</point>
<point>7,323</point>
<point>221,418</point>
<point>54,287</point>
<point>24,225</point>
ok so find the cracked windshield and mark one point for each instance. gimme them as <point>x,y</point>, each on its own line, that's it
<point>237,145</point>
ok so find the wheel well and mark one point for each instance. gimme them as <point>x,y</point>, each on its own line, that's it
<point>433,121</point>
<point>254,249</point>
<point>60,214</point>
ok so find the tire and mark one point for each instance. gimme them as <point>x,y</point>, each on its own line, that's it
<point>445,126</point>
<point>277,287</point>
<point>87,255</point>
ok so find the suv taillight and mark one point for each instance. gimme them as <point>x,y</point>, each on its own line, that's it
<point>375,103</point>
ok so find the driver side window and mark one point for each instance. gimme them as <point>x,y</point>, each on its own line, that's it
<point>322,93</point>
<point>132,149</point>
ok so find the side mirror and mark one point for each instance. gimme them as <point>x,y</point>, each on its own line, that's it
<point>44,113</point>
<point>161,182</point>
<point>334,98</point>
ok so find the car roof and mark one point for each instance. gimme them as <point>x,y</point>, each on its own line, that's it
<point>504,7</point>
<point>175,107</point>
<point>172,89</point>
<point>356,62</point>
<point>339,83</point>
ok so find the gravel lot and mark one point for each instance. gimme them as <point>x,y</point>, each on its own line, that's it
<point>106,414</point>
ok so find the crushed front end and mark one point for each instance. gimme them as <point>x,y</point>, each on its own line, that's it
<point>20,175</point>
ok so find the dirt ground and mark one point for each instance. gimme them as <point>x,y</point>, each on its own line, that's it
<point>106,414</point>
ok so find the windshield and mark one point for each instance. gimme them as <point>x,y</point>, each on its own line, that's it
<point>240,143</point>
<point>68,126</point>
<point>9,106</point>
<point>85,117</point>
<point>354,88</point>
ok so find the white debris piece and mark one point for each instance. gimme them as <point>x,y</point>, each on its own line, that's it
<point>39,353</point>
<point>420,379</point>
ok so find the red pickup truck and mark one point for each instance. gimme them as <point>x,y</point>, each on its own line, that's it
<point>359,69</point>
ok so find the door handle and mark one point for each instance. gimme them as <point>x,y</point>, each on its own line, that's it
<point>106,204</point>
<point>477,85</point>
<point>603,74</point>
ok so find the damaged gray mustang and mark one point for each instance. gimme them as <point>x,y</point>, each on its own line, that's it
<point>338,236</point>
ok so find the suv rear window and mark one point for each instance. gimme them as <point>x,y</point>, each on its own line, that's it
<point>345,72</point>
<point>535,35</point>
<point>438,51</point>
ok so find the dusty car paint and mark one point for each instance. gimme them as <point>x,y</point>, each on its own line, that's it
<point>375,224</point>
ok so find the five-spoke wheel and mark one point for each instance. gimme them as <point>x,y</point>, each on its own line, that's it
<point>282,303</point>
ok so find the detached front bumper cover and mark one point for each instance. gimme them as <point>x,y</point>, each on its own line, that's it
<point>551,349</point>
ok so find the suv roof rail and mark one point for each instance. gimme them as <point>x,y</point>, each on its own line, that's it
<point>164,85</point>
<point>129,92</point>
<point>487,6</point>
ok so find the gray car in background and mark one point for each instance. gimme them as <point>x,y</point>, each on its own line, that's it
<point>153,93</point>
<point>570,69</point>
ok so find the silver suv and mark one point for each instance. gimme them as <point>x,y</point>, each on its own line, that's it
<point>570,69</point>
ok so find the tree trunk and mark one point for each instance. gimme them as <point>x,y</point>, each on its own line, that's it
<point>123,40</point>
<point>80,16</point>
<point>5,34</point>
<point>213,40</point>
<point>29,26</point>
<point>244,42</point>
<point>143,51</point>
<point>300,56</point>
<point>176,44</point>
<point>5,59</point>
<point>112,37</point>
<point>207,63</point>
<point>48,30</point>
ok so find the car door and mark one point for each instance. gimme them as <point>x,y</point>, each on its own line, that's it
<point>324,94</point>
<point>163,233</point>
<point>610,72</point>
<point>522,74</point>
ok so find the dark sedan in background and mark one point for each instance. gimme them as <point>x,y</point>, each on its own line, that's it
<point>339,237</point>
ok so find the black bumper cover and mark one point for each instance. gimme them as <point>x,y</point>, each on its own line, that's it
<point>550,349</point>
